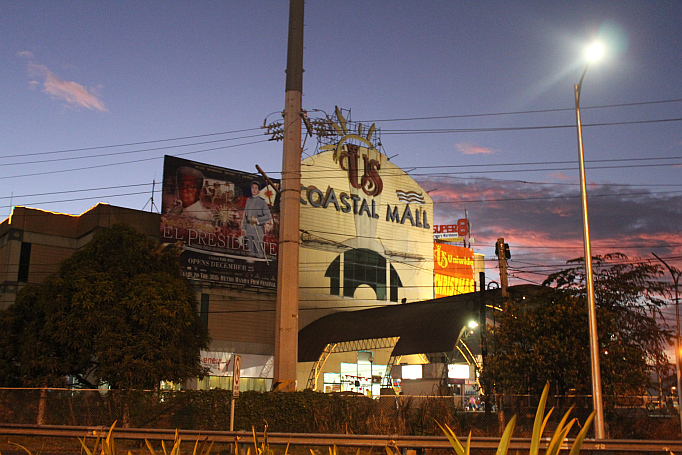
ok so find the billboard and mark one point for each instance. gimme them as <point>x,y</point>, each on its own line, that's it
<point>453,270</point>
<point>252,366</point>
<point>226,222</point>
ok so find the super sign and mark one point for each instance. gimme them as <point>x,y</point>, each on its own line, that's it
<point>461,228</point>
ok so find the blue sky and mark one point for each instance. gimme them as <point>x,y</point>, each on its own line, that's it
<point>87,77</point>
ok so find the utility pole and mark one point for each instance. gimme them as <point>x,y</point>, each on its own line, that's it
<point>483,329</point>
<point>286,316</point>
<point>502,251</point>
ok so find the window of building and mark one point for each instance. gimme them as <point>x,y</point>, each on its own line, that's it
<point>24,262</point>
<point>203,312</point>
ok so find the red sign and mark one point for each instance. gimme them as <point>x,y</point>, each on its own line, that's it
<point>461,228</point>
<point>236,374</point>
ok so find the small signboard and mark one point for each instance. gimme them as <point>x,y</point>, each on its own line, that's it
<point>235,375</point>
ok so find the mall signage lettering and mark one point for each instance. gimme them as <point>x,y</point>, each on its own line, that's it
<point>351,203</point>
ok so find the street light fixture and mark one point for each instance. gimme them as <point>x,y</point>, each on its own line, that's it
<point>594,52</point>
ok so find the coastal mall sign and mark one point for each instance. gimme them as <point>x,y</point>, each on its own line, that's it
<point>366,228</point>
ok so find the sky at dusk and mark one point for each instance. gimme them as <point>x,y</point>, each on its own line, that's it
<point>475,99</point>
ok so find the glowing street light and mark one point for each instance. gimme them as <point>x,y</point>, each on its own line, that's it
<point>594,52</point>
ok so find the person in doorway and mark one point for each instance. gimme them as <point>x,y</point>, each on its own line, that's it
<point>256,214</point>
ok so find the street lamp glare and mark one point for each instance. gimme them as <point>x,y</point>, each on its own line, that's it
<point>595,51</point>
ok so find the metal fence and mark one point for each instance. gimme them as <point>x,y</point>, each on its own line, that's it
<point>309,412</point>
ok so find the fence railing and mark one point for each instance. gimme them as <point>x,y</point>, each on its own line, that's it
<point>309,412</point>
<point>400,443</point>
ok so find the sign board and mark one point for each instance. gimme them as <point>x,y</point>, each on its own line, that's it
<point>451,232</point>
<point>236,375</point>
<point>453,270</point>
<point>225,222</point>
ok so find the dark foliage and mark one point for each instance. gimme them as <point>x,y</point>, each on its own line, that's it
<point>117,311</point>
<point>545,336</point>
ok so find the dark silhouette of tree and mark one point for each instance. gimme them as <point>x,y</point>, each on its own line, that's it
<point>118,311</point>
<point>545,336</point>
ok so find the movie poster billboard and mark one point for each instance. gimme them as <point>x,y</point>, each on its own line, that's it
<point>453,270</point>
<point>226,222</point>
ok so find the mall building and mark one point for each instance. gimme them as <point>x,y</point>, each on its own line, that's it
<point>382,308</point>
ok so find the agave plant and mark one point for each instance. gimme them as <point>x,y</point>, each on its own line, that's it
<point>539,425</point>
<point>264,448</point>
<point>201,447</point>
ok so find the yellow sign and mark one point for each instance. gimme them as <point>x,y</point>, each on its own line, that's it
<point>453,270</point>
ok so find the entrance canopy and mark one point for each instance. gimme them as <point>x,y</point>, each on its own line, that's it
<point>424,327</point>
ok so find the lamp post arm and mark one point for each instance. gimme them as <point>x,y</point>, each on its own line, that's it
<point>599,426</point>
<point>579,86</point>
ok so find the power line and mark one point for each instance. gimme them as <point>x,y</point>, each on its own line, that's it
<point>521,128</point>
<point>127,144</point>
<point>538,111</point>
<point>128,162</point>
<point>128,152</point>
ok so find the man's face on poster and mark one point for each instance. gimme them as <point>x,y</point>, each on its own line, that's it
<point>188,189</point>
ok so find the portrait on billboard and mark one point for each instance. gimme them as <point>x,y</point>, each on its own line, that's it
<point>226,222</point>
<point>256,215</point>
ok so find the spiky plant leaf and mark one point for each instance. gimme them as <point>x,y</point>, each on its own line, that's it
<point>21,447</point>
<point>506,437</point>
<point>578,443</point>
<point>109,444</point>
<point>539,425</point>
<point>149,446</point>
<point>558,439</point>
<point>84,446</point>
<point>560,433</point>
<point>255,440</point>
<point>452,437</point>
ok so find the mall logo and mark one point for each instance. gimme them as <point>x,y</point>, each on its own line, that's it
<point>348,157</point>
<point>370,182</point>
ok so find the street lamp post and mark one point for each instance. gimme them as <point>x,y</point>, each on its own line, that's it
<point>599,431</point>
<point>676,280</point>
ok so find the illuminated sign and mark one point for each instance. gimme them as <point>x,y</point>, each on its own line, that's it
<point>460,229</point>
<point>453,270</point>
<point>459,371</point>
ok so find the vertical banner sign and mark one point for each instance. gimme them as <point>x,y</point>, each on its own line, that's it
<point>225,222</point>
<point>453,270</point>
<point>236,375</point>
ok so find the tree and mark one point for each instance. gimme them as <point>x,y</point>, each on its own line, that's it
<point>546,337</point>
<point>118,311</point>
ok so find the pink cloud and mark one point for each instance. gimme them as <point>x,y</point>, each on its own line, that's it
<point>73,93</point>
<point>473,149</point>
<point>561,176</point>
<point>543,223</point>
